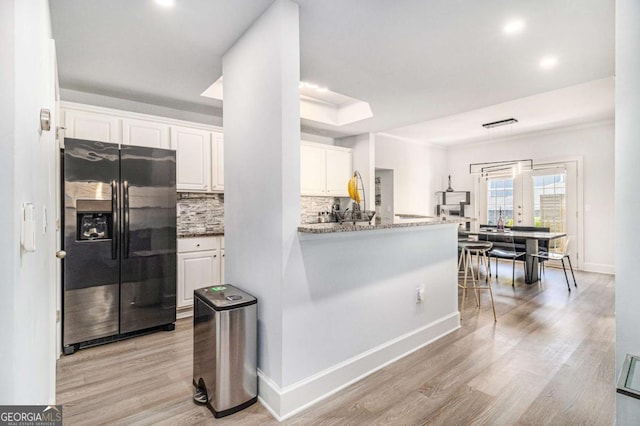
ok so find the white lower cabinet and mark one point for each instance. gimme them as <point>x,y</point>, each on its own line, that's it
<point>200,264</point>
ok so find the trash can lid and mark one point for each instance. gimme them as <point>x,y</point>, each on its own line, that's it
<point>225,296</point>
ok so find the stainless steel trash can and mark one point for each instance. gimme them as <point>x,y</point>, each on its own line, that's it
<point>225,349</point>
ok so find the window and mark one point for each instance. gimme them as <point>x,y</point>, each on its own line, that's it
<point>549,201</point>
<point>500,198</point>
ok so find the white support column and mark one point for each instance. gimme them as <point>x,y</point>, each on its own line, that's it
<point>262,169</point>
<point>627,153</point>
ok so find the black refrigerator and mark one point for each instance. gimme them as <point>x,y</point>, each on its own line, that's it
<point>119,273</point>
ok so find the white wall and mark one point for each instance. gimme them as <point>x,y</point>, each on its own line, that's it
<point>262,168</point>
<point>594,143</point>
<point>8,213</point>
<point>28,302</point>
<point>627,153</point>
<point>418,172</point>
<point>352,308</point>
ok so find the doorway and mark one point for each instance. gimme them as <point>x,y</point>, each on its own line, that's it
<point>384,195</point>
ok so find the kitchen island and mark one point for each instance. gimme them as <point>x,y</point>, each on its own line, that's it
<point>362,296</point>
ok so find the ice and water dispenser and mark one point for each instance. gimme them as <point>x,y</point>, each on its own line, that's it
<point>94,220</point>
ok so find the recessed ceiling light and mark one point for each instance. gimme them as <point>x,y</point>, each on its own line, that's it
<point>548,62</point>
<point>513,27</point>
<point>166,3</point>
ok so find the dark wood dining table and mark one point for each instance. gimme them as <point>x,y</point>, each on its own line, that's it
<point>531,245</point>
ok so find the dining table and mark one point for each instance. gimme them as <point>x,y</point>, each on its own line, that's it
<point>531,239</point>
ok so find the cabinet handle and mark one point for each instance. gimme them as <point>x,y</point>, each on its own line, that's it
<point>197,245</point>
<point>215,255</point>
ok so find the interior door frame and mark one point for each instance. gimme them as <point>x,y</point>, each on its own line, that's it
<point>480,189</point>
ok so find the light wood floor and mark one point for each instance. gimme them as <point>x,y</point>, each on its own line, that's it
<point>548,360</point>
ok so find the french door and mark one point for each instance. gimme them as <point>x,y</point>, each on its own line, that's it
<point>546,196</point>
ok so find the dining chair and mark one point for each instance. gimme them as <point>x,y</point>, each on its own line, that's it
<point>543,245</point>
<point>560,255</point>
<point>504,247</point>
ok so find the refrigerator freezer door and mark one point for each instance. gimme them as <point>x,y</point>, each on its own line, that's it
<point>148,187</point>
<point>91,267</point>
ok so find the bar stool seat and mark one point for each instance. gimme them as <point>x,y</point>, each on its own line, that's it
<point>468,249</point>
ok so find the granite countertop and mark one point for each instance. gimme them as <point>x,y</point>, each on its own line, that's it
<point>202,234</point>
<point>398,222</point>
<point>413,216</point>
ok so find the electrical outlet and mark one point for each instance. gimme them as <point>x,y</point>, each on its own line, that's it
<point>420,294</point>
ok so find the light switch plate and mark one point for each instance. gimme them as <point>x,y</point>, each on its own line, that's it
<point>28,235</point>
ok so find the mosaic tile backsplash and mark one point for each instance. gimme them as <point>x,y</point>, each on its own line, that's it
<point>203,214</point>
<point>200,214</point>
<point>310,206</point>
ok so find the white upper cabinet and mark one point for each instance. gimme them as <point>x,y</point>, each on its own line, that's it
<point>339,171</point>
<point>199,148</point>
<point>92,126</point>
<point>193,158</point>
<point>217,161</point>
<point>325,170</point>
<point>313,171</point>
<point>145,133</point>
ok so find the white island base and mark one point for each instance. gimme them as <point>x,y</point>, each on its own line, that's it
<point>354,307</point>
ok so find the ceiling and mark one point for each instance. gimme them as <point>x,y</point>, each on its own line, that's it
<point>575,105</point>
<point>413,61</point>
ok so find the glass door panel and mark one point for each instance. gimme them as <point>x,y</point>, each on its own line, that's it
<point>499,199</point>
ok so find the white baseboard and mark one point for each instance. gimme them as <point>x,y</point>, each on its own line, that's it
<point>184,312</point>
<point>601,268</point>
<point>283,403</point>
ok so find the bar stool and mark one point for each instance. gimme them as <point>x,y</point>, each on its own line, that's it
<point>468,249</point>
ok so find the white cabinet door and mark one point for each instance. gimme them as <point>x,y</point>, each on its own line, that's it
<point>196,270</point>
<point>193,158</point>
<point>313,175</point>
<point>145,133</point>
<point>92,126</point>
<point>217,162</point>
<point>339,171</point>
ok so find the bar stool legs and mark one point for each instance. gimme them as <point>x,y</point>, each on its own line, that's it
<point>469,279</point>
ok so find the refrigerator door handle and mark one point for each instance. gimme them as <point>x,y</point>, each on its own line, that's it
<point>125,199</point>
<point>114,211</point>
